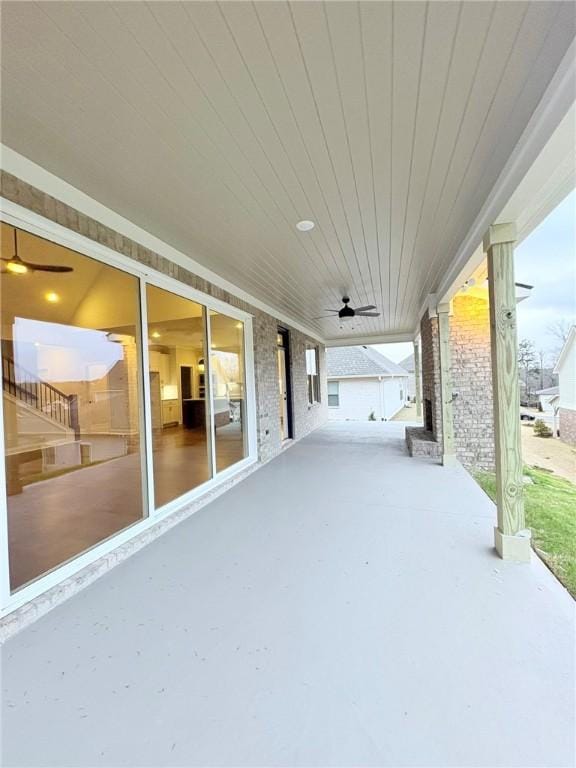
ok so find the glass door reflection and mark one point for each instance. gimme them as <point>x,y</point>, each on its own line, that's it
<point>179,412</point>
<point>228,389</point>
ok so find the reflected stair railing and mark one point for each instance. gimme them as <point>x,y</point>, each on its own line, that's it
<point>39,395</point>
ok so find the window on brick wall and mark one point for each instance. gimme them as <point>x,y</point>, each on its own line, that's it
<point>313,374</point>
<point>333,394</point>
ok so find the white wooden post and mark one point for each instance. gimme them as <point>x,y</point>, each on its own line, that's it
<point>448,447</point>
<point>417,383</point>
<point>511,538</point>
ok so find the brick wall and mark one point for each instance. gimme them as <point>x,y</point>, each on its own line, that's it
<point>472,382</point>
<point>430,355</point>
<point>471,373</point>
<point>567,425</point>
<point>305,417</point>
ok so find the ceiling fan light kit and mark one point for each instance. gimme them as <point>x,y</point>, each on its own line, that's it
<point>16,266</point>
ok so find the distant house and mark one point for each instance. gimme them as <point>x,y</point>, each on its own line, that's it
<point>363,384</point>
<point>546,398</point>
<point>408,365</point>
<point>566,370</point>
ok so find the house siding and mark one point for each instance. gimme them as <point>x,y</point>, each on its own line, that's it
<point>566,370</point>
<point>567,378</point>
<point>359,397</point>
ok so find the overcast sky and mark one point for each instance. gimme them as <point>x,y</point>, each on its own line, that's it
<point>546,260</point>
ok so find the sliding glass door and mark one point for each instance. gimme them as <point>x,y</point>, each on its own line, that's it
<point>72,400</point>
<point>228,389</point>
<point>178,403</point>
<point>87,434</point>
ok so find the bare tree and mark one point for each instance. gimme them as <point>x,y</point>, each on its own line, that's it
<point>526,362</point>
<point>559,329</point>
<point>542,362</point>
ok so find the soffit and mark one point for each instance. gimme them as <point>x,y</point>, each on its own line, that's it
<point>217,127</point>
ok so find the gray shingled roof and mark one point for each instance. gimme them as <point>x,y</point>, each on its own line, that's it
<point>407,363</point>
<point>548,391</point>
<point>359,361</point>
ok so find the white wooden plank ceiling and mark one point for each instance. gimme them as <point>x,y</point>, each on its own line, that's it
<point>218,126</point>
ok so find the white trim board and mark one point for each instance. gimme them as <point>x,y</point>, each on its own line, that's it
<point>47,182</point>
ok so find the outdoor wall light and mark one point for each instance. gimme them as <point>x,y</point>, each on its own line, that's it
<point>468,284</point>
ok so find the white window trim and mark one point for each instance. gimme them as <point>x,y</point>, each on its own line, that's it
<point>15,215</point>
<point>314,376</point>
<point>331,394</point>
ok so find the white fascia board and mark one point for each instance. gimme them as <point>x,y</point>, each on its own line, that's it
<point>567,344</point>
<point>32,173</point>
<point>553,107</point>
<point>522,292</point>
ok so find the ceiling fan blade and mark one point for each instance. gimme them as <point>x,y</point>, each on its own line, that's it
<point>367,314</point>
<point>47,267</point>
<point>330,310</point>
<point>364,309</point>
<point>323,317</point>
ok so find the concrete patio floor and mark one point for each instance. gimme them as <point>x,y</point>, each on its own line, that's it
<point>341,606</point>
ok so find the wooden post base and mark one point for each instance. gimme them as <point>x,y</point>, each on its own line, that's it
<point>516,547</point>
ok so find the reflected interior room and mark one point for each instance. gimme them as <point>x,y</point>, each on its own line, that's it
<point>74,405</point>
<point>228,389</point>
<point>178,401</point>
<point>72,401</point>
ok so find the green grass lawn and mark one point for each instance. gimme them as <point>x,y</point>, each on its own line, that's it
<point>550,504</point>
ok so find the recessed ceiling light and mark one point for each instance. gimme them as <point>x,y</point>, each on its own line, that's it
<point>155,335</point>
<point>52,297</point>
<point>239,325</point>
<point>305,226</point>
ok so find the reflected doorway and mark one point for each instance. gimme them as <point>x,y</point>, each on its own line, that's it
<point>284,383</point>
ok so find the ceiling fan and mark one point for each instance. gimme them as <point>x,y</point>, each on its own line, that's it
<point>16,266</point>
<point>347,313</point>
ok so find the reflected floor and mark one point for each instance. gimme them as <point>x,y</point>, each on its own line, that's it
<point>53,521</point>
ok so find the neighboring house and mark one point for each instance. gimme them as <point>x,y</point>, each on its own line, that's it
<point>566,370</point>
<point>408,365</point>
<point>555,405</point>
<point>363,385</point>
<point>546,398</point>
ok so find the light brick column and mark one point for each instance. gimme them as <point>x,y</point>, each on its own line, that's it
<point>417,386</point>
<point>511,539</point>
<point>448,447</point>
